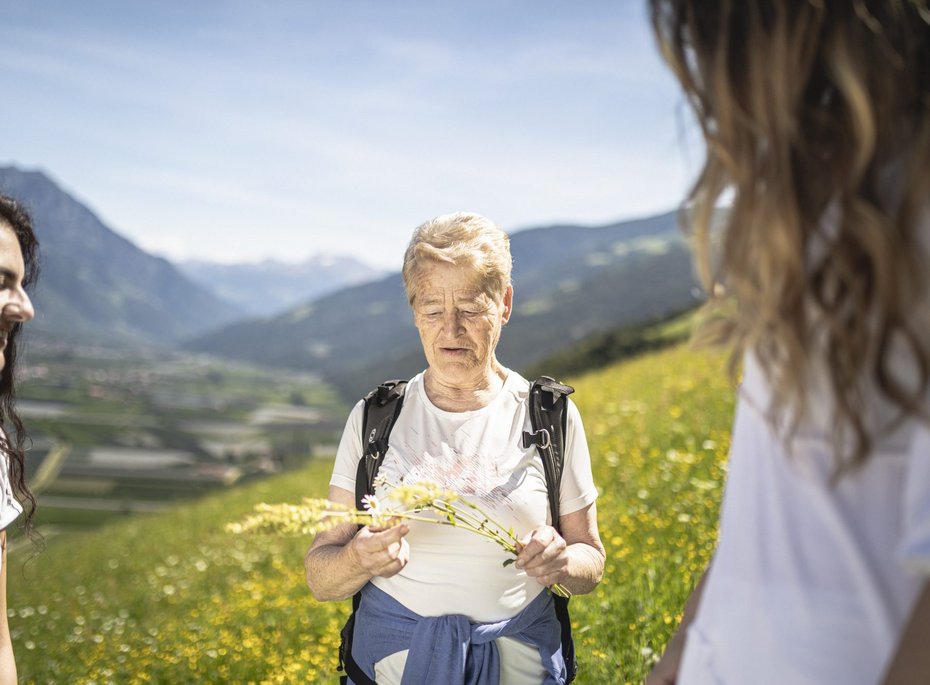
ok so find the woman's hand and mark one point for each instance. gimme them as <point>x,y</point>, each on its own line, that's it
<point>543,555</point>
<point>665,672</point>
<point>381,551</point>
<point>341,560</point>
<point>574,559</point>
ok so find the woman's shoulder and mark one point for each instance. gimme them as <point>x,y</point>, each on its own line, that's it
<point>4,457</point>
<point>516,383</point>
<point>10,507</point>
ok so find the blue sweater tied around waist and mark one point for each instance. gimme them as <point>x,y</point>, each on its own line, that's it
<point>451,649</point>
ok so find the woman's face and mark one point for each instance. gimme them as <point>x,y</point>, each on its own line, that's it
<point>459,323</point>
<point>15,305</point>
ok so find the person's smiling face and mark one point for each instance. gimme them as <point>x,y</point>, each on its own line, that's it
<point>15,305</point>
<point>459,323</point>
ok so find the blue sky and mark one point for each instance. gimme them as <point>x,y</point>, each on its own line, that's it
<point>237,131</point>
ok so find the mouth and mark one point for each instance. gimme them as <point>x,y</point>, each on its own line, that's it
<point>454,351</point>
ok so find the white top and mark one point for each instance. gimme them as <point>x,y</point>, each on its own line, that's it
<point>480,455</point>
<point>812,582</point>
<point>10,508</point>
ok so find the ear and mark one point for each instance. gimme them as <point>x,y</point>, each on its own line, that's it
<point>508,304</point>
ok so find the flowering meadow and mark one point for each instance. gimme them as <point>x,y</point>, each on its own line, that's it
<point>175,598</point>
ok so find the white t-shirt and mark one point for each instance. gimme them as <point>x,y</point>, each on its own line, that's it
<point>812,581</point>
<point>10,508</point>
<point>480,455</point>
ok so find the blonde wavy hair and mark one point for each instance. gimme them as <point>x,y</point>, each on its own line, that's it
<point>466,239</point>
<point>812,109</point>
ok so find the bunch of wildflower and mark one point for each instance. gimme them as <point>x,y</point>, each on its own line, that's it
<point>424,502</point>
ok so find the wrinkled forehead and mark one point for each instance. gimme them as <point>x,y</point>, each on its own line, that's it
<point>450,296</point>
<point>439,282</point>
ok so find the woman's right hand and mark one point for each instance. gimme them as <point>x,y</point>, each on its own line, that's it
<point>665,672</point>
<point>381,551</point>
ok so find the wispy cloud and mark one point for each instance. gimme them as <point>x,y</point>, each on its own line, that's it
<point>294,127</point>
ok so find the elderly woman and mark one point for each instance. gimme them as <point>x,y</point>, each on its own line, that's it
<point>461,426</point>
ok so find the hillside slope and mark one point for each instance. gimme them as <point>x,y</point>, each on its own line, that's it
<point>569,282</point>
<point>175,599</point>
<point>96,286</point>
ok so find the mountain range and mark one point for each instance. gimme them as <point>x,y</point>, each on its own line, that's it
<point>569,282</point>
<point>96,286</point>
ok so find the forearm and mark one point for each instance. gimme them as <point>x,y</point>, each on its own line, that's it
<point>910,664</point>
<point>585,568</point>
<point>7,665</point>
<point>665,672</point>
<point>7,660</point>
<point>334,572</point>
<point>676,645</point>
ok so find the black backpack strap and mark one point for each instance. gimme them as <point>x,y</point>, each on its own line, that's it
<point>568,642</point>
<point>382,407</point>
<point>548,407</point>
<point>347,665</point>
<point>549,417</point>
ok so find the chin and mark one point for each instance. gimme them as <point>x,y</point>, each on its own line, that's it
<point>455,371</point>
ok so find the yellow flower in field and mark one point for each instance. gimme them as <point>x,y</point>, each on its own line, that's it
<point>419,495</point>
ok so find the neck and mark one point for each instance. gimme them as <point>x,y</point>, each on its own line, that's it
<point>476,393</point>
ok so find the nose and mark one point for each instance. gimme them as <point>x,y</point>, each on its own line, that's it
<point>19,308</point>
<point>452,322</point>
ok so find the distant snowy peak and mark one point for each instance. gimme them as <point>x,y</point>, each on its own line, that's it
<point>271,286</point>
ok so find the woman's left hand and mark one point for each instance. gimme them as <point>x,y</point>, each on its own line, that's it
<point>543,555</point>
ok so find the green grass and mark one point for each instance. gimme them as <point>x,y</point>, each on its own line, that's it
<point>172,598</point>
<point>74,518</point>
<point>609,347</point>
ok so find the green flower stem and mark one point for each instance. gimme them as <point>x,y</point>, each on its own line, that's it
<point>484,531</point>
<point>555,588</point>
<point>506,542</point>
<point>319,515</point>
<point>479,523</point>
<point>499,525</point>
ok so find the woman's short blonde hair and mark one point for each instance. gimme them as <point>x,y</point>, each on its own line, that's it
<point>464,239</point>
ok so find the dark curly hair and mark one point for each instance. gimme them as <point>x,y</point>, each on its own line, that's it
<point>14,216</point>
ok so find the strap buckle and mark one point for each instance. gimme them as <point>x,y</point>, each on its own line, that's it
<point>541,438</point>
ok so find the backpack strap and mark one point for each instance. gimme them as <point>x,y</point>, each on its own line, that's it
<point>549,417</point>
<point>382,407</point>
<point>548,407</point>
